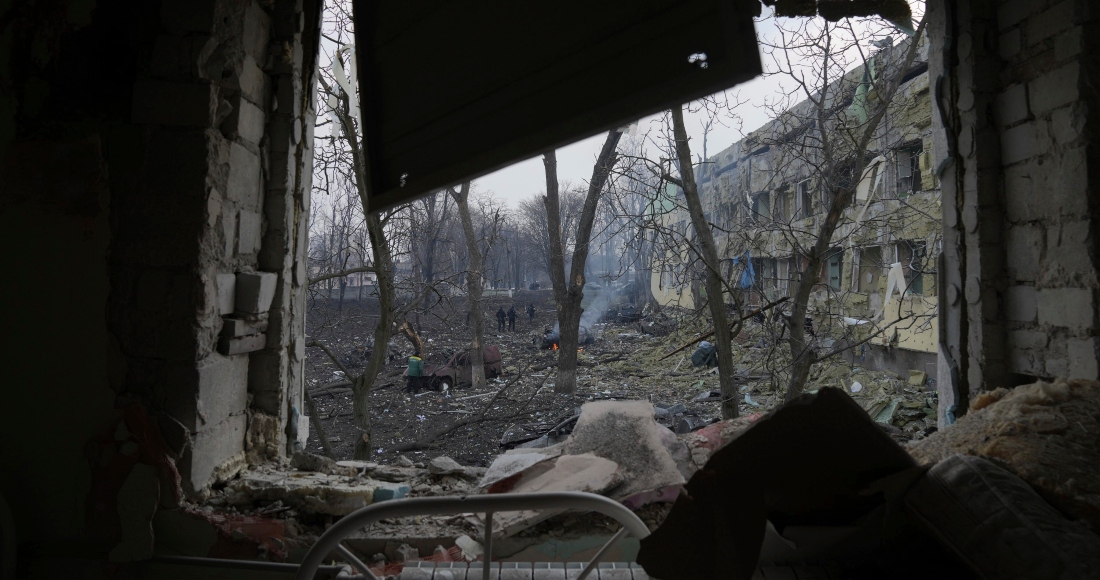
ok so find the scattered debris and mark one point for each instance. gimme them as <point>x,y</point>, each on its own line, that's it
<point>303,461</point>
<point>444,465</point>
<point>616,448</point>
<point>582,472</point>
<point>311,492</point>
<point>471,548</point>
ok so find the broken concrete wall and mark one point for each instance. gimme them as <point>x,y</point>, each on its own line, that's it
<point>1020,254</point>
<point>231,298</point>
<point>140,147</point>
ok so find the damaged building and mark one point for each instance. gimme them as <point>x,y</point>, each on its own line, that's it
<point>155,173</point>
<point>767,195</point>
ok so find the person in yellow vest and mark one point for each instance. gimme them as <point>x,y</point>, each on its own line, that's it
<point>414,375</point>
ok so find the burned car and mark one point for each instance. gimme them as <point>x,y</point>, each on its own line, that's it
<point>456,371</point>
<point>550,338</point>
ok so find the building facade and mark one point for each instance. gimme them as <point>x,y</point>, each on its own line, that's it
<point>767,195</point>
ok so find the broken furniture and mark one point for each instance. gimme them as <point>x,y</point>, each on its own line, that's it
<point>330,541</point>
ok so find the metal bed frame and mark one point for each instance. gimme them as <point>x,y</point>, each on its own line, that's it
<point>331,540</point>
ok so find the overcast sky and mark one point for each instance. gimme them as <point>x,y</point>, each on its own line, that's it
<point>526,178</point>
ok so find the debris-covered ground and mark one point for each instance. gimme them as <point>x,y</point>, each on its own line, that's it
<point>624,362</point>
<point>639,428</point>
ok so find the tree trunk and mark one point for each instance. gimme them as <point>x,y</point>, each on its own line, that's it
<point>569,293</point>
<point>474,283</point>
<point>383,261</point>
<point>709,253</point>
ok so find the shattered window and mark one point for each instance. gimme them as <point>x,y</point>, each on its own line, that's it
<point>833,269</point>
<point>870,269</point>
<point>784,272</point>
<point>779,206</point>
<point>805,200</point>
<point>912,256</point>
<point>908,163</point>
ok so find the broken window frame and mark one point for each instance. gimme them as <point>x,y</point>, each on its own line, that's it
<point>868,265</point>
<point>907,169</point>
<point>783,276</point>
<point>834,259</point>
<point>911,254</point>
<point>779,205</point>
<point>804,199</point>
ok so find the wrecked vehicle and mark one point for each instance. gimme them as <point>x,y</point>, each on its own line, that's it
<point>456,371</point>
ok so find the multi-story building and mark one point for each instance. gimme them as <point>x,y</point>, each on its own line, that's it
<point>767,195</point>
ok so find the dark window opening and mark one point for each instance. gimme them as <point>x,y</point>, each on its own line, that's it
<point>779,206</point>
<point>908,164</point>
<point>805,199</point>
<point>870,269</point>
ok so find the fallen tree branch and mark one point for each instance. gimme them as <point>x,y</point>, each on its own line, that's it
<point>732,325</point>
<point>426,441</point>
<point>332,356</point>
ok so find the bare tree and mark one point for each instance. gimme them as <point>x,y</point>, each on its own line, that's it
<point>714,280</point>
<point>341,100</point>
<point>474,282</point>
<point>835,141</point>
<point>568,292</point>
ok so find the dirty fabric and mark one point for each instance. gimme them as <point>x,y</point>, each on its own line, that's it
<point>584,472</point>
<point>1048,434</point>
<point>999,525</point>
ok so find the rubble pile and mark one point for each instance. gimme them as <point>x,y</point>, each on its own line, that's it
<point>904,403</point>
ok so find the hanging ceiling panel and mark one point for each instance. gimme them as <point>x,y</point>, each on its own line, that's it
<point>453,90</point>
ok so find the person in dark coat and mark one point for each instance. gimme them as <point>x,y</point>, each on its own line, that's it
<point>512,318</point>
<point>500,319</point>
<point>531,311</point>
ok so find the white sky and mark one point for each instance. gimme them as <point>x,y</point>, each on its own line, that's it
<point>526,178</point>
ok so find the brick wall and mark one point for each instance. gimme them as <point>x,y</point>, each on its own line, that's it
<point>1049,236</point>
<point>1020,248</point>
<point>226,102</point>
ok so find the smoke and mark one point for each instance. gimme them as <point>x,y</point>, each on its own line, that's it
<point>596,308</point>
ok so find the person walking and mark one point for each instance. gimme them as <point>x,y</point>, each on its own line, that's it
<point>531,311</point>
<point>512,318</point>
<point>500,319</point>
